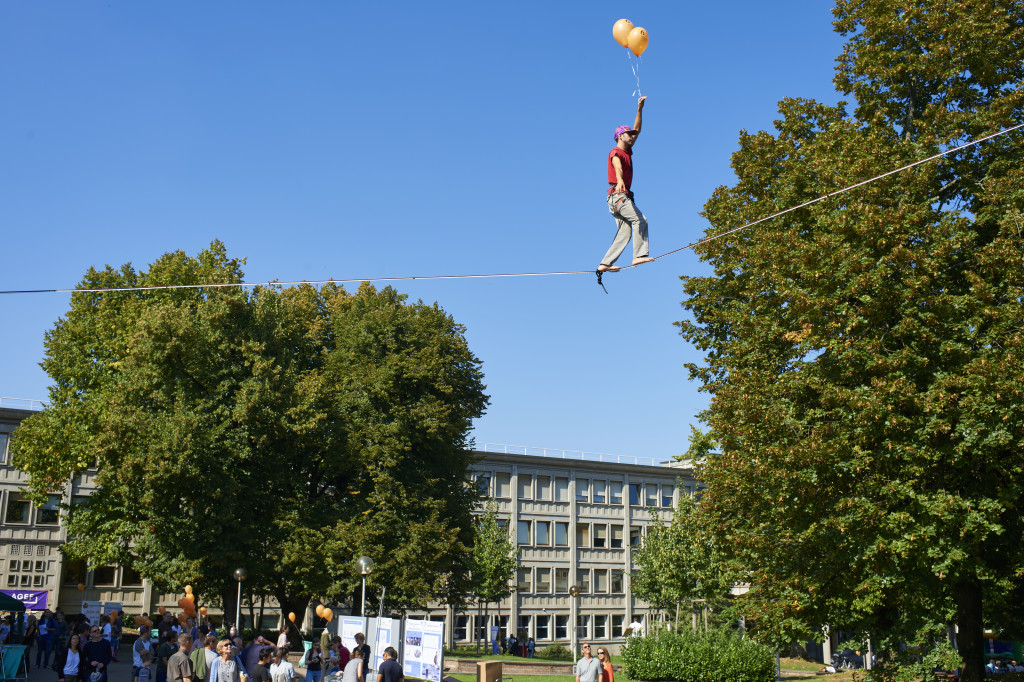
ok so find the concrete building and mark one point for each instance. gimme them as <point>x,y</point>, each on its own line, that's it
<point>577,518</point>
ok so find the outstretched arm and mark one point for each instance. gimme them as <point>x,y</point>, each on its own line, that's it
<point>639,114</point>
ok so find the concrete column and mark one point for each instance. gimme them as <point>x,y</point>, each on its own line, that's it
<point>513,610</point>
<point>826,646</point>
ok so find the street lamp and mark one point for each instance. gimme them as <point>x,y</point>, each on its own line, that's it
<point>240,575</point>
<point>573,593</point>
<point>365,565</point>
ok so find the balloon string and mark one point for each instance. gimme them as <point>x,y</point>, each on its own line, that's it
<point>635,66</point>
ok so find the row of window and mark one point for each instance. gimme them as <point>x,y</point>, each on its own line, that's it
<point>544,627</point>
<point>588,580</point>
<point>19,511</point>
<point>595,491</point>
<point>556,534</point>
<point>26,550</point>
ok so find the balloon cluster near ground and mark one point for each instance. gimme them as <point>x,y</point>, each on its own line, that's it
<point>633,38</point>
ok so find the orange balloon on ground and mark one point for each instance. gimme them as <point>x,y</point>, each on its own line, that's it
<point>328,615</point>
<point>320,610</point>
<point>638,41</point>
<point>291,616</point>
<point>621,31</point>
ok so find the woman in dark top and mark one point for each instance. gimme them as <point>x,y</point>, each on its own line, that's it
<point>29,638</point>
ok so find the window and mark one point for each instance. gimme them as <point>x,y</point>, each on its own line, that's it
<point>104,575</point>
<point>18,512</point>
<point>667,492</point>
<point>37,580</point>
<point>15,550</point>
<point>26,566</point>
<point>635,491</point>
<point>600,627</point>
<point>583,580</point>
<point>40,566</point>
<point>12,581</point>
<point>582,627</point>
<point>600,535</point>
<point>582,490</point>
<point>600,580</point>
<point>634,536</point>
<point>652,495</point>
<point>617,622</point>
<point>544,533</point>
<point>13,566</point>
<point>543,487</point>
<point>543,627</point>
<point>40,550</point>
<point>4,439</point>
<point>523,532</point>
<point>583,535</point>
<point>483,485</point>
<point>503,485</point>
<point>561,627</point>
<point>480,628</point>
<point>26,580</point>
<point>616,537</point>
<point>561,534</point>
<point>599,487</point>
<point>130,577</point>
<point>615,492</point>
<point>460,627</point>
<point>617,581</point>
<point>688,486</point>
<point>74,571</point>
<point>525,487</point>
<point>49,514</point>
<point>543,581</point>
<point>27,550</point>
<point>523,580</point>
<point>561,581</point>
<point>523,628</point>
<point>561,489</point>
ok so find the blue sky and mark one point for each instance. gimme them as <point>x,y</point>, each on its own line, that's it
<point>328,139</point>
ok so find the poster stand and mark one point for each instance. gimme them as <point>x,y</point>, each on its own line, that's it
<point>12,662</point>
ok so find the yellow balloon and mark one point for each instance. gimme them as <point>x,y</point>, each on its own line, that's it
<point>328,615</point>
<point>638,41</point>
<point>291,616</point>
<point>621,31</point>
<point>188,589</point>
<point>320,610</point>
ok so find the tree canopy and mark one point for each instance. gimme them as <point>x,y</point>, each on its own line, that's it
<point>284,430</point>
<point>864,354</point>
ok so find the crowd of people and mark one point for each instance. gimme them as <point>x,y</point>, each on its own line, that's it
<point>998,666</point>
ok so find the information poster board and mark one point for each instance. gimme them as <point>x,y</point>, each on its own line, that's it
<point>383,640</point>
<point>91,609</point>
<point>111,606</point>
<point>422,655</point>
<point>349,628</point>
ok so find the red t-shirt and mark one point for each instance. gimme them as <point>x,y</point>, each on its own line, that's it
<point>627,166</point>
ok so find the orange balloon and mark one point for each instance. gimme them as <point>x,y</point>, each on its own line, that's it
<point>291,616</point>
<point>190,598</point>
<point>320,610</point>
<point>202,610</point>
<point>188,589</point>
<point>638,41</point>
<point>621,31</point>
<point>81,586</point>
<point>162,610</point>
<point>328,615</point>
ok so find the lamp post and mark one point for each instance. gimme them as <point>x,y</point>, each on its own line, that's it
<point>573,593</point>
<point>240,575</point>
<point>365,565</point>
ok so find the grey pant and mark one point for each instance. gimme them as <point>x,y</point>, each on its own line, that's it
<point>630,221</point>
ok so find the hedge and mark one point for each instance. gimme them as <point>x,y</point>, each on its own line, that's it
<point>697,656</point>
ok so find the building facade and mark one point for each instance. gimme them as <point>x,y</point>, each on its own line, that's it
<point>577,520</point>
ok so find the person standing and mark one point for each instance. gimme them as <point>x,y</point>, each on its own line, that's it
<point>141,646</point>
<point>281,670</point>
<point>144,671</point>
<point>46,627</point>
<point>282,636</point>
<point>226,668</point>
<point>259,671</point>
<point>163,654</point>
<point>628,218</point>
<point>97,655</point>
<point>390,670</point>
<point>29,638</point>
<point>365,648</point>
<point>605,659</point>
<point>200,660</point>
<point>531,647</point>
<point>179,665</point>
<point>588,669</point>
<point>60,631</point>
<point>69,661</point>
<point>314,661</point>
<point>355,668</point>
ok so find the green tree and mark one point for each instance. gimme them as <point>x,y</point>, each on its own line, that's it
<point>494,561</point>
<point>863,354</point>
<point>286,431</point>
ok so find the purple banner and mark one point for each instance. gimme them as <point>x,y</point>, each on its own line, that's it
<point>32,599</point>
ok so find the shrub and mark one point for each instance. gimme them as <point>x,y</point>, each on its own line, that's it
<point>697,656</point>
<point>554,652</point>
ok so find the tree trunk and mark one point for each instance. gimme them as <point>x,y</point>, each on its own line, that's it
<point>970,639</point>
<point>296,605</point>
<point>228,598</point>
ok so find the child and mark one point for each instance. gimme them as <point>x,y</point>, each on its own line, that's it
<point>143,673</point>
